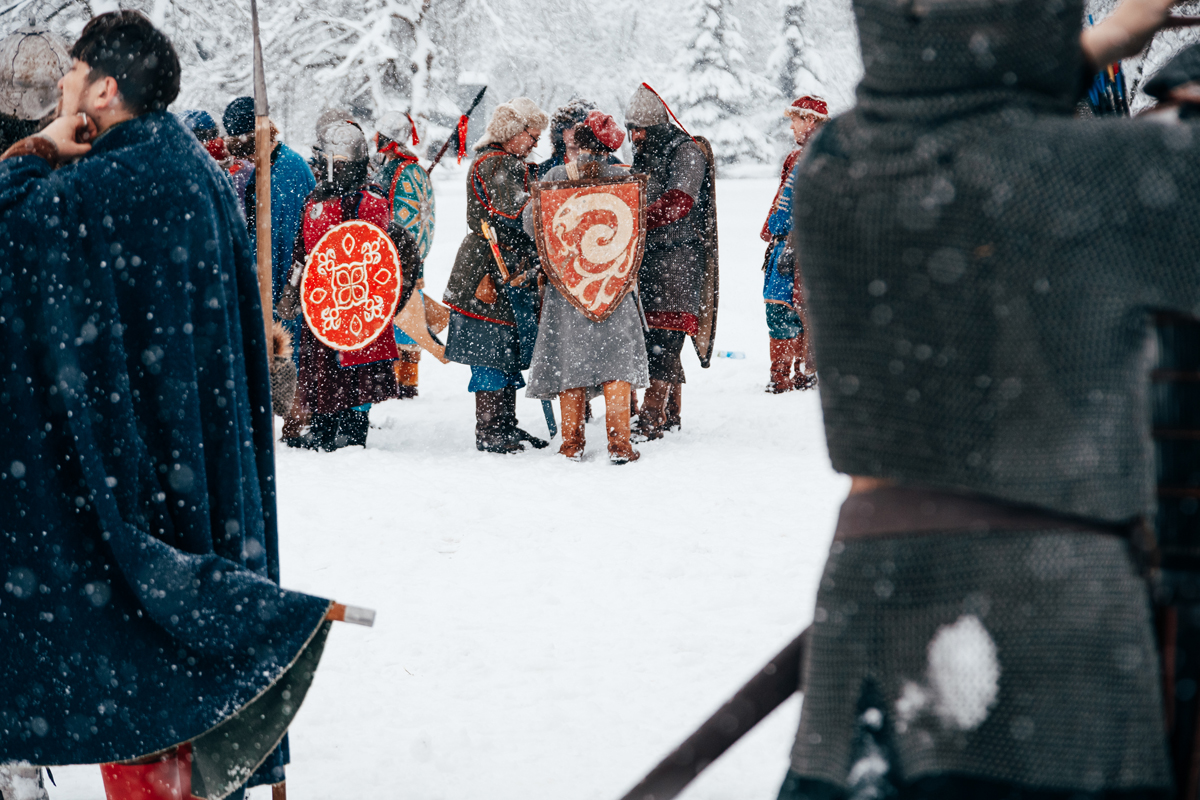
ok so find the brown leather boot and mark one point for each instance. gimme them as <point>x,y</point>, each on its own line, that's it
<point>672,414</point>
<point>406,374</point>
<point>294,423</point>
<point>652,415</point>
<point>806,375</point>
<point>633,405</point>
<point>616,421</point>
<point>571,406</point>
<point>783,353</point>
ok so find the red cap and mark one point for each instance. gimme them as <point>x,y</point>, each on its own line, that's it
<point>605,128</point>
<point>216,148</point>
<point>808,105</point>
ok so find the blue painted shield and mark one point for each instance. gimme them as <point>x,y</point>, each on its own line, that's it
<point>412,204</point>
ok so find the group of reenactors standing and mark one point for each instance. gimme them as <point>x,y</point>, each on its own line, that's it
<point>500,316</point>
<point>573,354</point>
<point>508,307</point>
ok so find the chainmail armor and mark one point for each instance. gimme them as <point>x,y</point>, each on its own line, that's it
<point>981,268</point>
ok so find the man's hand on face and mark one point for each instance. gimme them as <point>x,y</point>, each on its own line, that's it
<point>71,135</point>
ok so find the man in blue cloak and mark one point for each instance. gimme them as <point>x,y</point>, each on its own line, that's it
<point>141,613</point>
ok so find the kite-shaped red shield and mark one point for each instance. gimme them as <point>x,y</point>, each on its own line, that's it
<point>351,285</point>
<point>591,235</point>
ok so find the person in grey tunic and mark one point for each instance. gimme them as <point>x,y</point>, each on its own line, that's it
<point>574,354</point>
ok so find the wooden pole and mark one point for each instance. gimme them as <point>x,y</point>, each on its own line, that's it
<point>766,691</point>
<point>262,180</point>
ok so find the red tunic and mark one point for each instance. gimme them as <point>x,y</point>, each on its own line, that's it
<point>330,381</point>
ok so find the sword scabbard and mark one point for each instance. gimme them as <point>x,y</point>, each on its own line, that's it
<point>490,234</point>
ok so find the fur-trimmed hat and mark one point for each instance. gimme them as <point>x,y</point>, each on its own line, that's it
<point>645,109</point>
<point>568,116</point>
<point>808,106</point>
<point>509,119</point>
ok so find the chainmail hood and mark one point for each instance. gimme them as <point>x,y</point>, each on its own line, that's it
<point>981,268</point>
<point>922,48</point>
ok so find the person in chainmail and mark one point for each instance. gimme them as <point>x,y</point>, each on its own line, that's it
<point>981,273</point>
<point>32,60</point>
<point>669,282</point>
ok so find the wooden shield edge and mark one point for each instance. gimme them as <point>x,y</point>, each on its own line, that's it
<point>547,264</point>
<point>399,286</point>
<point>710,286</point>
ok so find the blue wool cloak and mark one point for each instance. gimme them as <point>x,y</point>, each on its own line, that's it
<point>138,541</point>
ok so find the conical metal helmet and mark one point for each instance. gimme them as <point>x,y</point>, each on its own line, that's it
<point>32,59</point>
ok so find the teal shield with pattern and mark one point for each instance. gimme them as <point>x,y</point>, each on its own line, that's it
<point>412,204</point>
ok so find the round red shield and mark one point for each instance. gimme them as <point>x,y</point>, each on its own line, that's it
<point>351,285</point>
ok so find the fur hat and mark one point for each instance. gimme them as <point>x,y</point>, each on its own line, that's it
<point>645,109</point>
<point>808,106</point>
<point>509,119</point>
<point>567,116</point>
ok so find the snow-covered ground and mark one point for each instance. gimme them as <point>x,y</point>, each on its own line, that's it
<point>549,629</point>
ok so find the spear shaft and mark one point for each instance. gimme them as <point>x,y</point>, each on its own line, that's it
<point>262,180</point>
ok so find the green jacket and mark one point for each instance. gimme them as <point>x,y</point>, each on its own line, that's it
<point>497,192</point>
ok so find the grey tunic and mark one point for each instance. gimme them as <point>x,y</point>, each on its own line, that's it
<point>574,352</point>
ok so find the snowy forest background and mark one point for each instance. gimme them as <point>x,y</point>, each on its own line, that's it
<point>727,67</point>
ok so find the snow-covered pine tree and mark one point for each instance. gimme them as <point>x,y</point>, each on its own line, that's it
<point>790,61</point>
<point>714,92</point>
<point>817,52</point>
<point>372,56</point>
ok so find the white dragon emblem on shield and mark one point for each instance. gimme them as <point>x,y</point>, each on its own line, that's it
<point>351,289</point>
<point>600,247</point>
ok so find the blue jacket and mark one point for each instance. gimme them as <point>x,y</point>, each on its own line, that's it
<point>777,284</point>
<point>291,183</point>
<point>137,501</point>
